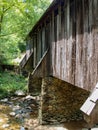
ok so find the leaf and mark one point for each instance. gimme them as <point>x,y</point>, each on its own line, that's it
<point>17,17</point>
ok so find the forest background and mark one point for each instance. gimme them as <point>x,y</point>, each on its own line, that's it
<point>17,17</point>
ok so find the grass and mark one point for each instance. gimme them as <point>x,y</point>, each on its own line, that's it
<point>10,82</point>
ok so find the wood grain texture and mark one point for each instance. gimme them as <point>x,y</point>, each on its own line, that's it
<point>71,33</point>
<point>77,50</point>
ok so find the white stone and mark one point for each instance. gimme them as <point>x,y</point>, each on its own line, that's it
<point>22,128</point>
<point>19,93</point>
<point>29,97</point>
<point>12,113</point>
<point>61,128</point>
<point>4,100</point>
<point>91,129</point>
<point>18,116</point>
<point>16,107</point>
<point>1,120</point>
<point>5,126</point>
<point>94,129</point>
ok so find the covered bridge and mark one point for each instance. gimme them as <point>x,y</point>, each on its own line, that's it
<point>62,58</point>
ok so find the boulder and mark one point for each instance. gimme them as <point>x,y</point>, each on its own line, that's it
<point>19,93</point>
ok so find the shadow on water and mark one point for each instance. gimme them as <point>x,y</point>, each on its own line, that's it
<point>76,125</point>
<point>30,117</point>
<point>16,112</point>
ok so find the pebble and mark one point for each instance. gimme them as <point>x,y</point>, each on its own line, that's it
<point>21,109</point>
<point>91,129</point>
<point>29,97</point>
<point>1,120</point>
<point>5,126</point>
<point>18,116</point>
<point>12,113</point>
<point>21,112</point>
<point>4,100</point>
<point>22,128</point>
<point>19,93</point>
<point>17,107</point>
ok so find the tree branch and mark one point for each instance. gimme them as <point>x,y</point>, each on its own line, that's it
<point>2,15</point>
<point>5,10</point>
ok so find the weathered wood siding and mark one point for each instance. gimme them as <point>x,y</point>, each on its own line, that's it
<point>70,30</point>
<point>75,50</point>
<point>43,67</point>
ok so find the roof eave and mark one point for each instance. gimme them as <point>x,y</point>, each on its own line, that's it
<point>47,12</point>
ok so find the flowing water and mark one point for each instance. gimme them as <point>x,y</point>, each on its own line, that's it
<point>22,114</point>
<point>6,121</point>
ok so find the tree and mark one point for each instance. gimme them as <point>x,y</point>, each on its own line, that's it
<point>16,20</point>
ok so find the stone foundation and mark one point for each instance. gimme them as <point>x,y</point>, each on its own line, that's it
<point>34,85</point>
<point>60,101</point>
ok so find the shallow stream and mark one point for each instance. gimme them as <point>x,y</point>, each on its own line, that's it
<point>21,113</point>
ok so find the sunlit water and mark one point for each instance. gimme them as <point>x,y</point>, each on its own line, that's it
<point>8,122</point>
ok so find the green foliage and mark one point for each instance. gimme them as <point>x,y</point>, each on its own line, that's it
<point>9,50</point>
<point>10,82</point>
<point>17,17</point>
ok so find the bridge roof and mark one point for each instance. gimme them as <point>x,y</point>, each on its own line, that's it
<point>48,11</point>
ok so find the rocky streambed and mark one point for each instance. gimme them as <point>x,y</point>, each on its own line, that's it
<point>21,113</point>
<point>17,113</point>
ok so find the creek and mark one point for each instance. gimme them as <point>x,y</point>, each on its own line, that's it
<point>21,113</point>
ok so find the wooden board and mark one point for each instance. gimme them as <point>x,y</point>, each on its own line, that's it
<point>94,95</point>
<point>91,102</point>
<point>88,106</point>
<point>71,32</point>
<point>75,54</point>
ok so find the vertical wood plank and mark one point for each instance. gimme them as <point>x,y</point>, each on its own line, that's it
<point>90,45</point>
<point>34,51</point>
<point>73,49</point>
<point>79,44</point>
<point>58,61</point>
<point>85,61</point>
<point>69,43</point>
<point>43,40</point>
<point>37,49</point>
<point>65,42</point>
<point>90,13</point>
<point>95,12</point>
<point>94,58</point>
<point>39,45</point>
<point>53,44</point>
<point>62,47</point>
<point>50,46</point>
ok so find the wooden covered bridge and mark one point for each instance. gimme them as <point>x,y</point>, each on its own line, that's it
<point>62,58</point>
